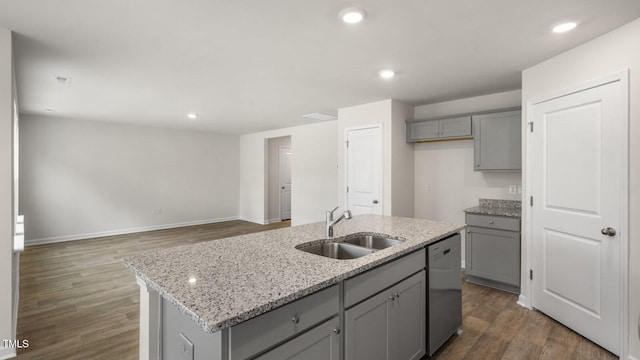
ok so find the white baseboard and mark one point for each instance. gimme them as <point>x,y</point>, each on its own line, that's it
<point>522,301</point>
<point>631,357</point>
<point>271,221</point>
<point>57,239</point>
<point>256,221</point>
<point>462,264</point>
<point>7,353</point>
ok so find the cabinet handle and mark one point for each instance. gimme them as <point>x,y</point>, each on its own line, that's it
<point>468,231</point>
<point>295,319</point>
<point>491,222</point>
<point>336,330</point>
<point>392,297</point>
<point>397,295</point>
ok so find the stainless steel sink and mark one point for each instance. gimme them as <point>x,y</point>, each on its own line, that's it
<point>351,246</point>
<point>372,241</point>
<point>337,250</point>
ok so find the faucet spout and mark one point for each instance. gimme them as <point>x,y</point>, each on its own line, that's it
<point>330,221</point>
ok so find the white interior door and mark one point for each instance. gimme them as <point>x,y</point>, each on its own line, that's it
<point>364,170</point>
<point>285,182</point>
<point>578,187</point>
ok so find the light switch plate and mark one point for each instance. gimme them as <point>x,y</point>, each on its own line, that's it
<point>186,348</point>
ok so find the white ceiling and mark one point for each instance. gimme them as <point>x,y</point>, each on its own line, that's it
<point>252,65</point>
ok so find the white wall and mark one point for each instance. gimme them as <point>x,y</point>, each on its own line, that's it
<point>273,181</point>
<point>402,162</point>
<point>83,179</point>
<point>448,165</point>
<point>396,176</point>
<point>7,219</point>
<point>313,172</point>
<point>611,53</point>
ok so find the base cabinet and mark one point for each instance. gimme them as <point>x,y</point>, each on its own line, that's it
<point>389,325</point>
<point>320,343</point>
<point>493,252</point>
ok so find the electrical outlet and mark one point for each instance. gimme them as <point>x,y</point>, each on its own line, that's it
<point>186,348</point>
<point>512,189</point>
<point>429,187</point>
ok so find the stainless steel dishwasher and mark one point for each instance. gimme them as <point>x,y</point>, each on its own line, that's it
<point>444,287</point>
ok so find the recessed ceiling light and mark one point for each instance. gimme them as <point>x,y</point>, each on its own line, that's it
<point>352,15</point>
<point>192,116</point>
<point>387,74</point>
<point>320,116</point>
<point>564,27</point>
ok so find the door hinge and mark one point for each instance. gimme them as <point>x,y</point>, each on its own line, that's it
<point>530,274</point>
<point>531,200</point>
<point>531,126</point>
<point>347,143</point>
<point>347,189</point>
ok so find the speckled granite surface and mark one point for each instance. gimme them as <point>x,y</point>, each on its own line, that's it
<point>497,207</point>
<point>242,277</point>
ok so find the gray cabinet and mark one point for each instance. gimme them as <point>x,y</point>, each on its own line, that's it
<point>389,325</point>
<point>492,254</point>
<point>439,129</point>
<point>497,141</point>
<point>320,343</point>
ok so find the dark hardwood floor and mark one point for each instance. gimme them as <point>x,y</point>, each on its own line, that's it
<point>78,301</point>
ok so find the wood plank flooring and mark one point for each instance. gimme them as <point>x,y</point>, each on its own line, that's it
<point>78,301</point>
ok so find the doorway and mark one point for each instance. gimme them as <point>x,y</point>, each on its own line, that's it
<point>278,175</point>
<point>578,171</point>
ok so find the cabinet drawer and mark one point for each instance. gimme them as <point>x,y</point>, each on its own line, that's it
<point>269,329</point>
<point>377,279</point>
<point>493,222</point>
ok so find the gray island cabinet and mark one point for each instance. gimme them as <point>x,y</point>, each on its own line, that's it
<point>258,297</point>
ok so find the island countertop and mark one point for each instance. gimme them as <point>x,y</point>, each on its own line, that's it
<point>221,283</point>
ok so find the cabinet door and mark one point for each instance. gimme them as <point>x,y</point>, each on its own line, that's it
<point>423,130</point>
<point>366,329</point>
<point>407,328</point>
<point>497,141</point>
<point>493,254</point>
<point>320,343</point>
<point>390,325</point>
<point>455,127</point>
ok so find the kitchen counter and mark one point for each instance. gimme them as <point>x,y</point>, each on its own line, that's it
<point>224,282</point>
<point>496,207</point>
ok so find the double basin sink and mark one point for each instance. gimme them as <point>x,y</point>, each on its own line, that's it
<point>351,246</point>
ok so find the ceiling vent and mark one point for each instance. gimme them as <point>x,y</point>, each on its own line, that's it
<point>320,116</point>
<point>62,80</point>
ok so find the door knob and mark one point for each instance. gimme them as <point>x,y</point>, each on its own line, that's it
<point>375,201</point>
<point>608,231</point>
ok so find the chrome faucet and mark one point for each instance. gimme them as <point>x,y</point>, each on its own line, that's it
<point>330,221</point>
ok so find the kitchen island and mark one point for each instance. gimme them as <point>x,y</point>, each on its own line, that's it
<point>218,285</point>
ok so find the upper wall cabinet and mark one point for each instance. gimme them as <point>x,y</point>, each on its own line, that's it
<point>439,129</point>
<point>498,142</point>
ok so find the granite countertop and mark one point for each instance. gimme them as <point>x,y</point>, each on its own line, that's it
<point>496,207</point>
<point>224,282</point>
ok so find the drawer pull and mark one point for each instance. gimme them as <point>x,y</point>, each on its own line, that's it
<point>446,251</point>
<point>337,331</point>
<point>491,222</point>
<point>295,319</point>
